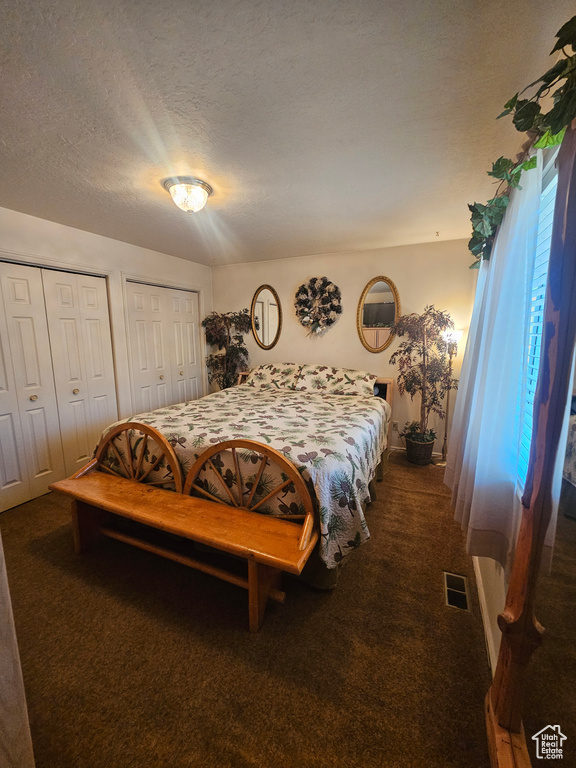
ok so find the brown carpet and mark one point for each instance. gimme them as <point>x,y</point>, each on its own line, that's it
<point>131,660</point>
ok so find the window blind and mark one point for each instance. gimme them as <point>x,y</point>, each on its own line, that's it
<point>537,298</point>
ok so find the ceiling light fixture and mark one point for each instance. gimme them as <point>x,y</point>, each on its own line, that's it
<point>189,194</point>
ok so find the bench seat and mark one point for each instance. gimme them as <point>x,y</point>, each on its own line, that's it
<point>269,544</point>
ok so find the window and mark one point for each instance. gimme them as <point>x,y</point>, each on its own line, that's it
<point>538,295</point>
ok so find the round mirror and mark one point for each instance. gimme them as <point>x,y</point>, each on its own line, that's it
<point>378,309</point>
<point>266,315</point>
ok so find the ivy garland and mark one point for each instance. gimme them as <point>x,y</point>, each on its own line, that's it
<point>544,130</point>
<point>318,304</point>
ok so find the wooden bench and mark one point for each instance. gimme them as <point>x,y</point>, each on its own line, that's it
<point>269,544</point>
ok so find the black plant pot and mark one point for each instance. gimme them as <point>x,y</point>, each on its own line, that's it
<point>419,453</point>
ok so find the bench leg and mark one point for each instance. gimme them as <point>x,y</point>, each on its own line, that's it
<point>86,522</point>
<point>262,580</point>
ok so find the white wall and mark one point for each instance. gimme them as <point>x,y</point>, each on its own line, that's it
<point>30,240</point>
<point>492,586</point>
<point>430,273</point>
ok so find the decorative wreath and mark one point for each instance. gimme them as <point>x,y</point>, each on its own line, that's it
<point>318,304</point>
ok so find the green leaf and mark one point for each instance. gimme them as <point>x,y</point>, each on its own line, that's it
<point>484,227</point>
<point>497,206</point>
<point>508,107</point>
<point>563,111</point>
<point>527,165</point>
<point>515,179</point>
<point>487,228</point>
<point>549,140</point>
<point>499,203</point>
<point>476,244</point>
<point>525,115</point>
<point>477,211</point>
<point>476,264</point>
<point>501,168</point>
<point>562,68</point>
<point>566,35</point>
<point>559,69</point>
<point>476,207</point>
<point>486,218</point>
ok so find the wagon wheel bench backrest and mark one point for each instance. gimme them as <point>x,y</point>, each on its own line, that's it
<point>128,477</point>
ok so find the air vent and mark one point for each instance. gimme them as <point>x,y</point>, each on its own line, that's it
<point>456,591</point>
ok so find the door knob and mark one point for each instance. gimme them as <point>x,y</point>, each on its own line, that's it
<point>181,373</point>
<point>75,391</point>
<point>161,376</point>
<point>33,397</point>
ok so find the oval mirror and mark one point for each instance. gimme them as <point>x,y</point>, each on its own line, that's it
<point>378,309</point>
<point>266,316</point>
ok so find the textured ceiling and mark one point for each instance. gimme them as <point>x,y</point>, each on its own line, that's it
<point>322,126</point>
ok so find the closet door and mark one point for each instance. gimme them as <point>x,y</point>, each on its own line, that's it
<point>30,448</point>
<point>79,326</point>
<point>164,346</point>
<point>185,368</point>
<point>14,485</point>
<point>149,356</point>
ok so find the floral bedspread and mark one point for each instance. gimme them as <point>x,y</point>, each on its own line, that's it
<point>335,441</point>
<point>570,460</point>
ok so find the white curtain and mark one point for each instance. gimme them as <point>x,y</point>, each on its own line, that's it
<point>482,466</point>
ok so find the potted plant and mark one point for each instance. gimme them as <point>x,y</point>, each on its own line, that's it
<point>424,370</point>
<point>224,331</point>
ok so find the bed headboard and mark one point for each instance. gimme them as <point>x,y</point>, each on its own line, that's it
<point>384,388</point>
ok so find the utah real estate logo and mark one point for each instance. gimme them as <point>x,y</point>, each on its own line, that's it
<point>549,743</point>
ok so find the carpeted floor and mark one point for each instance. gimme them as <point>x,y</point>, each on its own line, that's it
<point>133,661</point>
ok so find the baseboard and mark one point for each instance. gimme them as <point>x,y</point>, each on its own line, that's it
<point>491,584</point>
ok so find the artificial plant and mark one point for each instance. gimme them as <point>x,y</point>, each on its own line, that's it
<point>225,332</point>
<point>422,360</point>
<point>544,129</point>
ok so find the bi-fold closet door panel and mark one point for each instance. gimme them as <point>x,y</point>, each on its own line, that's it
<point>164,333</point>
<point>183,327</point>
<point>57,388</point>
<point>30,446</point>
<point>79,327</point>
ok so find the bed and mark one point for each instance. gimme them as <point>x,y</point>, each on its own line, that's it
<point>327,421</point>
<point>299,444</point>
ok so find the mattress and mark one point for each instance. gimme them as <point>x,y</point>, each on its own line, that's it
<point>335,441</point>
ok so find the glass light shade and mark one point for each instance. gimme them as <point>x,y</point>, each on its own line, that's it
<point>189,194</point>
<point>452,337</point>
